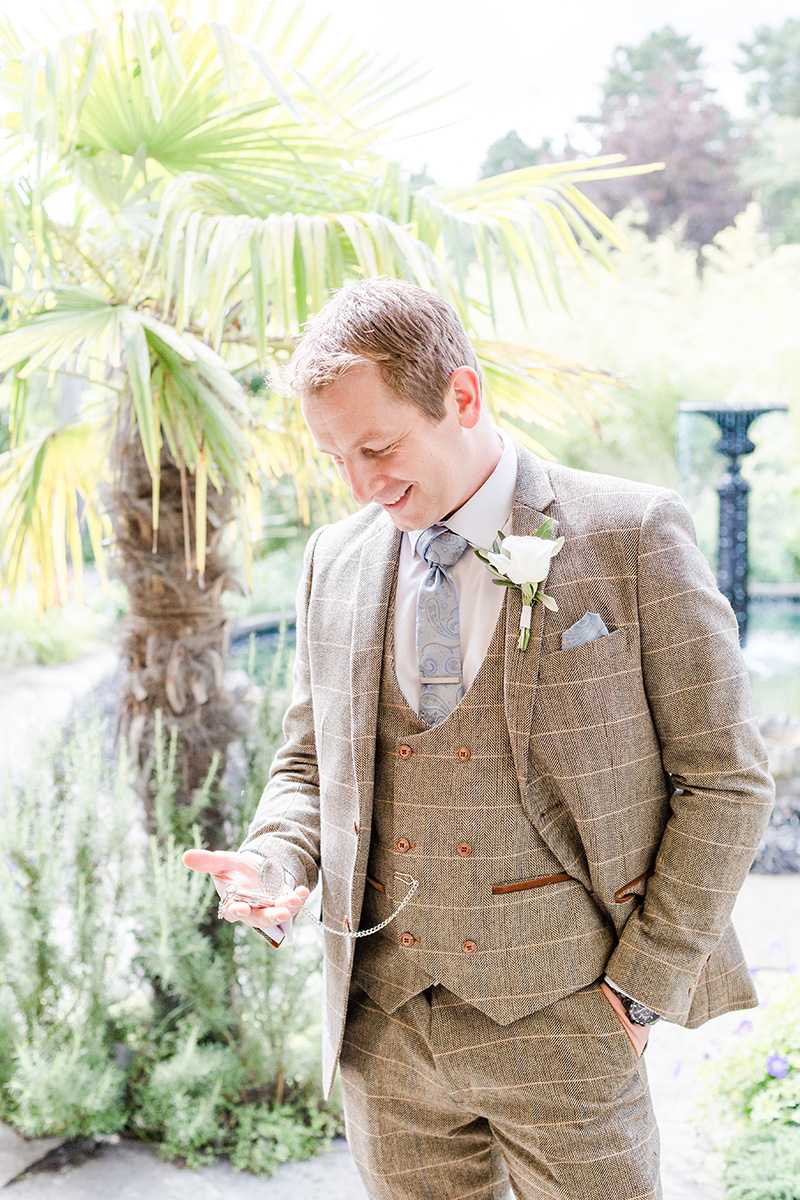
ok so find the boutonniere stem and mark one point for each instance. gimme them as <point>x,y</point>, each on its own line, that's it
<point>523,563</point>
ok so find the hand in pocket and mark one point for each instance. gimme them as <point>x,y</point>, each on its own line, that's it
<point>638,1034</point>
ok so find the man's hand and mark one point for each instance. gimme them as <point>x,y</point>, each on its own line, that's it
<point>241,869</point>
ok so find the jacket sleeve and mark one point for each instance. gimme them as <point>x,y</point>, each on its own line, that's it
<point>702,706</point>
<point>286,823</point>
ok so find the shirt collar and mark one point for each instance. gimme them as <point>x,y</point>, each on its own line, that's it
<point>479,519</point>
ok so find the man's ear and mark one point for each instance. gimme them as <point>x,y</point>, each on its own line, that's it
<point>466,390</point>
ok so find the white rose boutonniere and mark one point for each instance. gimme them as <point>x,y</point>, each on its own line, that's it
<point>523,563</point>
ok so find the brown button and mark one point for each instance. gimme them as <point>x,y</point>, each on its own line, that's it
<point>355,826</point>
<point>405,751</point>
<point>463,754</point>
<point>407,939</point>
<point>469,947</point>
<point>402,845</point>
<point>464,849</point>
<point>346,924</point>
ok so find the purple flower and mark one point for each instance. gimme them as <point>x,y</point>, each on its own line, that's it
<point>743,1027</point>
<point>777,1066</point>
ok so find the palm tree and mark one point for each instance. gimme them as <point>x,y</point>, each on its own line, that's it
<point>182,196</point>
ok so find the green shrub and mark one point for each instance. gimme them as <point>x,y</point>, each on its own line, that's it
<point>754,1085</point>
<point>267,1137</point>
<point>125,1006</point>
<point>757,1080</point>
<point>764,1165</point>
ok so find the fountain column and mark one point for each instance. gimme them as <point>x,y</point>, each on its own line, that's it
<point>732,563</point>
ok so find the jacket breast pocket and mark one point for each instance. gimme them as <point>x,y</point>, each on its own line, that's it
<point>591,662</point>
<point>586,698</point>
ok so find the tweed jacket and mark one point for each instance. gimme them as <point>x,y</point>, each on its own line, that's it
<point>638,755</point>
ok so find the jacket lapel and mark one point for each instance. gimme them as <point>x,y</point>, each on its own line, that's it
<point>532,497</point>
<point>372,591</point>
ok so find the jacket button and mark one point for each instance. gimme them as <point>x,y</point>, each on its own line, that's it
<point>407,939</point>
<point>469,947</point>
<point>463,754</point>
<point>405,751</point>
<point>464,849</point>
<point>355,826</point>
<point>402,845</point>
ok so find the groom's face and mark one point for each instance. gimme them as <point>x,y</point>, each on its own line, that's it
<point>388,451</point>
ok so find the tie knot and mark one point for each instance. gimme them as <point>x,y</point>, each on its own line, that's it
<point>440,547</point>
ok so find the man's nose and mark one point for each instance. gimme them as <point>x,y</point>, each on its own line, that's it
<point>363,479</point>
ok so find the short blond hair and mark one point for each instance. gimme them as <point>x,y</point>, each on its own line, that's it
<point>414,338</point>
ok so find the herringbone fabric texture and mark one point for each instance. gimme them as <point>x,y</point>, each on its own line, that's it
<point>430,1089</point>
<point>637,752</point>
<point>438,629</point>
<point>446,809</point>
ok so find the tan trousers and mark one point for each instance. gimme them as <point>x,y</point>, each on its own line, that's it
<point>440,1101</point>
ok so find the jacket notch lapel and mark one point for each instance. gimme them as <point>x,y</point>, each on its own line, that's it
<point>533,495</point>
<point>372,591</point>
<point>521,672</point>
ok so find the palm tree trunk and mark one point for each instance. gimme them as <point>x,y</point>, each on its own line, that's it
<point>175,639</point>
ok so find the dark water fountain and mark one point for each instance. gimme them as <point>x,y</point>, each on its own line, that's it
<point>732,567</point>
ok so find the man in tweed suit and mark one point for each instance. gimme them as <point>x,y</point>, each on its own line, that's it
<point>572,830</point>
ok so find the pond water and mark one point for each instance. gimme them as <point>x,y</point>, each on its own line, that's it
<point>772,655</point>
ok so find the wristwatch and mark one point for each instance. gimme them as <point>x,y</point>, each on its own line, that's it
<point>638,1014</point>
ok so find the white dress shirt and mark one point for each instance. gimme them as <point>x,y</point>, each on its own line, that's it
<point>479,600</point>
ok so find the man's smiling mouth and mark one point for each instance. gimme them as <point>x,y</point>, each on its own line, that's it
<point>397,499</point>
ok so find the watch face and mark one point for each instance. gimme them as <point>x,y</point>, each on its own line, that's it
<point>270,877</point>
<point>640,1014</point>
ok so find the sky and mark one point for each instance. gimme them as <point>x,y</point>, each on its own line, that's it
<point>517,64</point>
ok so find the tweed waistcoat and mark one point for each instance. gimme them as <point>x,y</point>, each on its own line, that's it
<point>447,811</point>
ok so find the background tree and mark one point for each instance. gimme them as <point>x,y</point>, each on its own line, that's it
<point>187,195</point>
<point>657,106</point>
<point>772,165</point>
<point>773,57</point>
<point>510,153</point>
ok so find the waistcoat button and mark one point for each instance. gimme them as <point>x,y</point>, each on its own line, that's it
<point>463,754</point>
<point>405,751</point>
<point>402,845</point>
<point>407,939</point>
<point>469,947</point>
<point>464,849</point>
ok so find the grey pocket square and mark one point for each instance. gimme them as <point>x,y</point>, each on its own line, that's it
<point>589,627</point>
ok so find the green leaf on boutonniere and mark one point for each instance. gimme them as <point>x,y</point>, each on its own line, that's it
<point>544,528</point>
<point>505,583</point>
<point>547,601</point>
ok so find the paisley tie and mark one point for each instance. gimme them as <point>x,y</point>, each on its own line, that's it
<point>438,633</point>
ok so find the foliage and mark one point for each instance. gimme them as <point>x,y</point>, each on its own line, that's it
<point>68,841</point>
<point>59,635</point>
<point>772,169</point>
<point>764,1165</point>
<point>267,1137</point>
<point>728,335</point>
<point>657,106</point>
<point>773,56</point>
<point>757,1082</point>
<point>124,1005</point>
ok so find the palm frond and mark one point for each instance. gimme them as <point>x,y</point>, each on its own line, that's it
<point>48,489</point>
